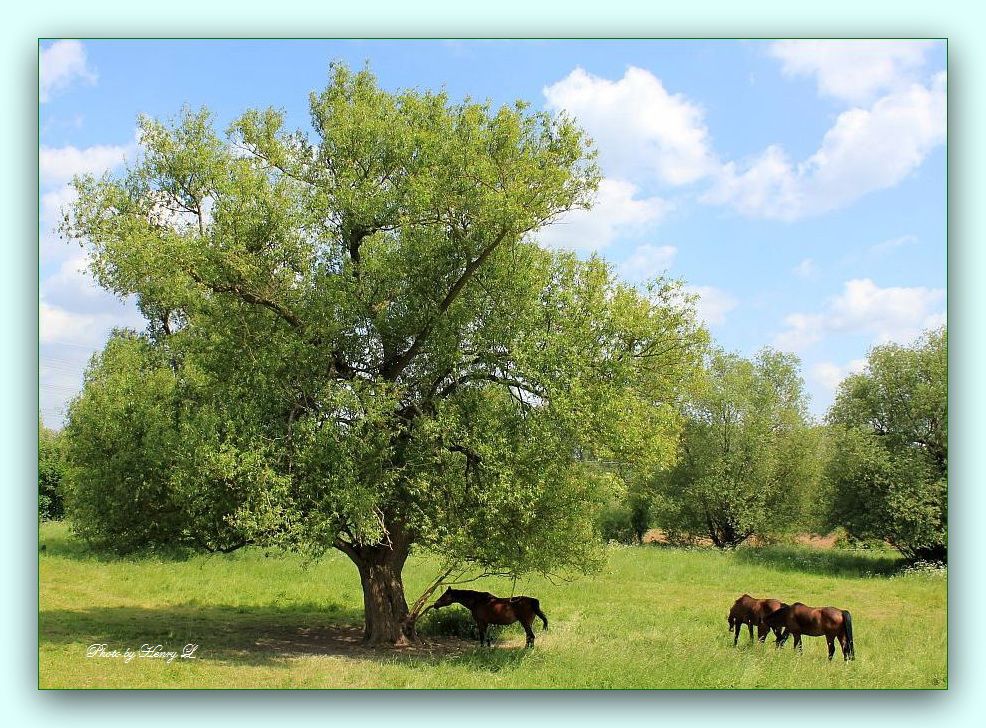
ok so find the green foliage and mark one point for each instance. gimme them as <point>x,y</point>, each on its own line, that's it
<point>365,347</point>
<point>748,460</point>
<point>119,447</point>
<point>51,470</point>
<point>889,462</point>
<point>454,621</point>
<point>626,520</point>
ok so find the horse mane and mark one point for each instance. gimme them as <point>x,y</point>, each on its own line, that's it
<point>471,596</point>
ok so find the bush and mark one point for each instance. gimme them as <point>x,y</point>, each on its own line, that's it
<point>120,444</point>
<point>625,521</point>
<point>448,622</point>
<point>51,469</point>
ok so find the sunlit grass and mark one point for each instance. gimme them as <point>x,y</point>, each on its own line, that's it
<point>654,617</point>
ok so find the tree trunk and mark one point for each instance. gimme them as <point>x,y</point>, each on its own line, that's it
<point>384,606</point>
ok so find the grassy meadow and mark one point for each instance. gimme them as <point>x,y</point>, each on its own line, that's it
<point>654,617</point>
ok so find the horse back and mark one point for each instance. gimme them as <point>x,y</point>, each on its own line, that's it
<point>817,621</point>
<point>765,607</point>
<point>499,611</point>
<point>510,610</point>
<point>744,608</point>
<point>831,619</point>
<point>770,606</point>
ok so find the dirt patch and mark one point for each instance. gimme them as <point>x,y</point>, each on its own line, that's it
<point>342,641</point>
<point>813,540</point>
<point>656,535</point>
<point>816,541</point>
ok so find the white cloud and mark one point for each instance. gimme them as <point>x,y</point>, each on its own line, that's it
<point>62,63</point>
<point>58,165</point>
<point>73,288</point>
<point>647,262</point>
<point>57,324</point>
<point>53,202</point>
<point>69,334</point>
<point>889,245</point>
<point>865,150</point>
<point>828,375</point>
<point>888,314</point>
<point>713,303</point>
<point>806,268</point>
<point>854,71</point>
<point>639,127</point>
<point>616,211</point>
<point>85,325</point>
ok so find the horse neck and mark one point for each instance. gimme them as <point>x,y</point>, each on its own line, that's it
<point>466,597</point>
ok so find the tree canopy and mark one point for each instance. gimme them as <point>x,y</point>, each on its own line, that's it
<point>889,463</point>
<point>747,453</point>
<point>355,342</point>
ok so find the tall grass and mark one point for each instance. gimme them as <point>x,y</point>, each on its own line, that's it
<point>654,617</point>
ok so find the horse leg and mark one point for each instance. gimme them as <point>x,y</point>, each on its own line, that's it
<point>831,642</point>
<point>778,633</point>
<point>750,625</point>
<point>762,631</point>
<point>844,644</point>
<point>782,635</point>
<point>797,642</point>
<point>481,626</point>
<point>529,631</point>
<point>738,627</point>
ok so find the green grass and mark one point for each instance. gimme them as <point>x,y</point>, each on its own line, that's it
<point>654,617</point>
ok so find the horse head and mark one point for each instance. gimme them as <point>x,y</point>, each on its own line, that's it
<point>444,600</point>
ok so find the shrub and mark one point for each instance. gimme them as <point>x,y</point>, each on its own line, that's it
<point>51,468</point>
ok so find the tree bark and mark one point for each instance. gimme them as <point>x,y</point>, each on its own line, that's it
<point>384,605</point>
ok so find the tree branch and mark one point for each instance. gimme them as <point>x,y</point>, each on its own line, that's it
<point>393,368</point>
<point>452,387</point>
<point>221,549</point>
<point>250,297</point>
<point>346,548</point>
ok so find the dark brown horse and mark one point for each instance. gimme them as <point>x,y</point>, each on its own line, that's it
<point>487,609</point>
<point>749,611</point>
<point>829,622</point>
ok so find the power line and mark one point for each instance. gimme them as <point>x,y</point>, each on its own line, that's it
<point>57,342</point>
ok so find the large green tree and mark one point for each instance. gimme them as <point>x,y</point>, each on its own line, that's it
<point>889,461</point>
<point>369,351</point>
<point>747,453</point>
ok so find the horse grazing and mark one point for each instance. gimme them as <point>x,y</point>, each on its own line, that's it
<point>829,622</point>
<point>487,609</point>
<point>749,611</point>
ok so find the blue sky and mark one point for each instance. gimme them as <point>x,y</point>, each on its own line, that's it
<point>798,187</point>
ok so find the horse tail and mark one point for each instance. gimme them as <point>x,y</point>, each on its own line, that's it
<point>850,646</point>
<point>537,610</point>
